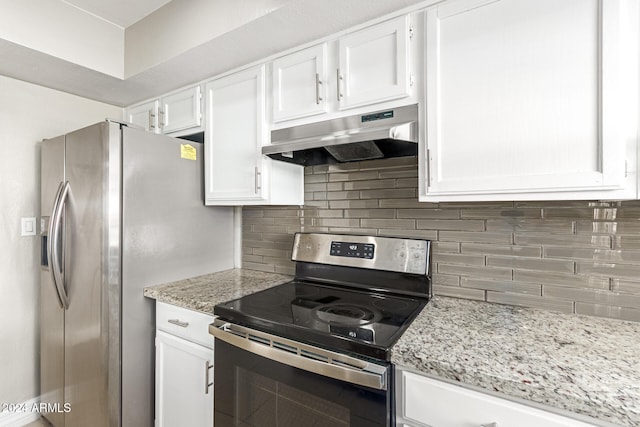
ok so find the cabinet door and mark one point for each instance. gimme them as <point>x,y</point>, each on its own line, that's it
<point>299,84</point>
<point>181,110</point>
<point>184,390</point>
<point>426,401</point>
<point>374,64</point>
<point>522,96</point>
<point>235,132</point>
<point>145,115</point>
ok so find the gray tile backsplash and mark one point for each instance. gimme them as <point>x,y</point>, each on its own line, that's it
<point>569,256</point>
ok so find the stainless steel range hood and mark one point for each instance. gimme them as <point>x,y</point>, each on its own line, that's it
<point>375,135</point>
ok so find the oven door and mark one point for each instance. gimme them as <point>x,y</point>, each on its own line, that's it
<point>264,380</point>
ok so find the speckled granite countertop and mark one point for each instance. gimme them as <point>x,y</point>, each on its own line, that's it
<point>586,365</point>
<point>202,293</point>
<point>582,364</point>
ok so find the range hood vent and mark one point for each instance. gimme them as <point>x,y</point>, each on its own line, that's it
<point>376,135</point>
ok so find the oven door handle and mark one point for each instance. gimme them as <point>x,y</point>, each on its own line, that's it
<point>302,356</point>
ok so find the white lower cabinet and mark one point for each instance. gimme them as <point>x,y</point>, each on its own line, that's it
<point>425,401</point>
<point>184,368</point>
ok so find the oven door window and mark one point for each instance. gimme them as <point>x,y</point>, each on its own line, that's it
<point>252,391</point>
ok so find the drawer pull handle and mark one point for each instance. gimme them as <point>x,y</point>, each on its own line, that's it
<point>178,323</point>
<point>489,425</point>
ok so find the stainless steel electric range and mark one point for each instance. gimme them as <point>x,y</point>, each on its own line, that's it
<point>316,350</point>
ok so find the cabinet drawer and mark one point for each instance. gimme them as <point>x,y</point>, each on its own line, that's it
<point>437,403</point>
<point>188,324</point>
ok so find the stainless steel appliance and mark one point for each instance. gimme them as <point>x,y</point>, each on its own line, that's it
<point>316,350</point>
<point>373,135</point>
<point>122,209</point>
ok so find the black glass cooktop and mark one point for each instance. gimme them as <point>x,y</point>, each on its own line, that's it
<point>359,322</point>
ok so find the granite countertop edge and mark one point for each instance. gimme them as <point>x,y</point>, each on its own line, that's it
<point>202,293</point>
<point>581,364</point>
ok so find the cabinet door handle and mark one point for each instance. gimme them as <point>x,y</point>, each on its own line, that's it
<point>489,425</point>
<point>207,384</point>
<point>318,83</point>
<point>258,178</point>
<point>151,120</point>
<point>178,323</point>
<point>338,79</point>
<point>161,114</point>
<point>428,162</point>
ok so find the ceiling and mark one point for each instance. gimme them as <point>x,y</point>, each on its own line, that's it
<point>291,23</point>
<point>123,13</point>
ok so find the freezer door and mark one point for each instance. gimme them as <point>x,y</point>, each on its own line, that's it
<point>92,375</point>
<point>51,312</point>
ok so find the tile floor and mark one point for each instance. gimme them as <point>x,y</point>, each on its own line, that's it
<point>39,423</point>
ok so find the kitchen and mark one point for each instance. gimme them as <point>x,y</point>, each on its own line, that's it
<point>474,240</point>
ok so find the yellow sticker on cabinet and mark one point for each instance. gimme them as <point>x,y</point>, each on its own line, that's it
<point>187,152</point>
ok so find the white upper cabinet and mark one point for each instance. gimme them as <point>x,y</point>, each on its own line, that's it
<point>374,64</point>
<point>234,168</point>
<point>181,110</point>
<point>529,99</point>
<point>366,67</point>
<point>236,172</point>
<point>144,115</point>
<point>173,113</point>
<point>299,82</point>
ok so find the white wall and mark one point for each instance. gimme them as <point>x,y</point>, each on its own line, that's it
<point>61,30</point>
<point>28,113</point>
<point>181,25</point>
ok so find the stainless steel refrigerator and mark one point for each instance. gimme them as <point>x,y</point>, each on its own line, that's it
<point>121,209</point>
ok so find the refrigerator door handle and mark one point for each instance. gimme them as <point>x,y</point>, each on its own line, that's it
<point>52,248</point>
<point>50,243</point>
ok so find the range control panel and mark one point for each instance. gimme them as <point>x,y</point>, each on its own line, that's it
<point>371,252</point>
<point>352,250</point>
